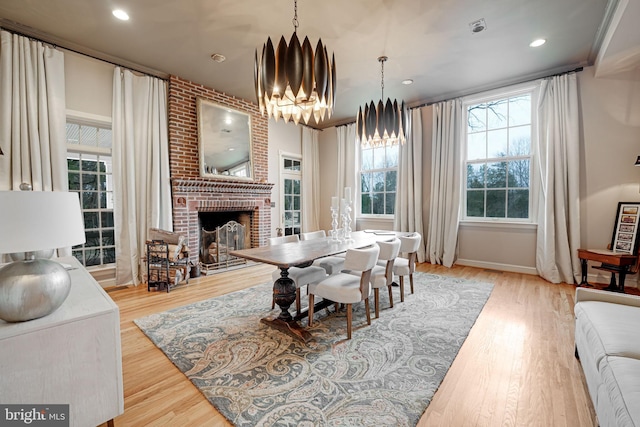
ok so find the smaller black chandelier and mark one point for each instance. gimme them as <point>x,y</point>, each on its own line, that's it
<point>384,124</point>
<point>294,83</point>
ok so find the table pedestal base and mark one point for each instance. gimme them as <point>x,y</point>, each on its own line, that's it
<point>291,328</point>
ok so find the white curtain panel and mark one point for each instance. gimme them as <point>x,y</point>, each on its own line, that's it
<point>408,209</point>
<point>446,170</point>
<point>142,187</point>
<point>32,115</point>
<point>558,156</point>
<point>348,161</point>
<point>310,180</point>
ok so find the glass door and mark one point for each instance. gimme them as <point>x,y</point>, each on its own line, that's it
<point>291,196</point>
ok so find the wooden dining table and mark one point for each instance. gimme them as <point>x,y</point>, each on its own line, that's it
<point>302,254</point>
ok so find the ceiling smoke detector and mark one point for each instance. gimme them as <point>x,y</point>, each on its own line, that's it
<point>478,26</point>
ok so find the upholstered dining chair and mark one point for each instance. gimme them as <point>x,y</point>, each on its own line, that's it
<point>346,288</point>
<point>301,276</point>
<point>331,264</point>
<point>405,266</point>
<point>382,275</point>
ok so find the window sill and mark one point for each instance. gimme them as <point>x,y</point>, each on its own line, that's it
<point>499,224</point>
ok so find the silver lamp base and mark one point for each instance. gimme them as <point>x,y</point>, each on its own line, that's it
<point>32,289</point>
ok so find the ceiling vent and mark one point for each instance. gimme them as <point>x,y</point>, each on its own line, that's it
<point>478,26</point>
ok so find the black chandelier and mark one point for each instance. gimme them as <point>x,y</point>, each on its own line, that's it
<point>293,82</point>
<point>384,124</point>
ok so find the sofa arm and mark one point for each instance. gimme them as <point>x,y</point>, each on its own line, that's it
<point>584,294</point>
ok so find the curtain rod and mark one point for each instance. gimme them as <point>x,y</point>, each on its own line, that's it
<point>575,70</point>
<point>55,42</point>
<point>424,104</point>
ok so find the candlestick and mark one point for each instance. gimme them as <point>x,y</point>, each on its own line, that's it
<point>334,219</point>
<point>346,220</point>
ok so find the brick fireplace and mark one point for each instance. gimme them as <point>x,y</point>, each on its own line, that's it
<point>193,194</point>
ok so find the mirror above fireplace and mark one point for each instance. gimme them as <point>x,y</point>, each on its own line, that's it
<point>224,141</point>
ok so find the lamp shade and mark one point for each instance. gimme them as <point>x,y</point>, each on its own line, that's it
<point>35,220</point>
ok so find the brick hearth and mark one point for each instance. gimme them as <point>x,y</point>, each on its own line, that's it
<point>192,193</point>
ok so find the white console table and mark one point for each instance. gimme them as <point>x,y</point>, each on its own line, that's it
<point>71,356</point>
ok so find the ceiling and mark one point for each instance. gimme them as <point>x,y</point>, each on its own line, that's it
<point>428,41</point>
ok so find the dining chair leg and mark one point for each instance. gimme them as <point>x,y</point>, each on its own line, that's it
<point>337,306</point>
<point>298,305</point>
<point>349,318</point>
<point>390,296</point>
<point>401,288</point>
<point>411,281</point>
<point>366,309</point>
<point>310,321</point>
<point>273,302</point>
<point>376,293</point>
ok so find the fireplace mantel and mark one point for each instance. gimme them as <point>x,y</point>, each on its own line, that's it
<point>221,186</point>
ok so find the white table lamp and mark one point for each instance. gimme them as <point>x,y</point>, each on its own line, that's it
<point>32,221</point>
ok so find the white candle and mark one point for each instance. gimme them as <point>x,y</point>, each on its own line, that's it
<point>343,206</point>
<point>334,202</point>
<point>347,194</point>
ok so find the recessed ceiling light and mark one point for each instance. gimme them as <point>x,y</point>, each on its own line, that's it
<point>538,42</point>
<point>218,57</point>
<point>121,14</point>
<point>407,82</point>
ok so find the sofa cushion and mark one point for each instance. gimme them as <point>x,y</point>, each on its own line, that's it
<point>610,329</point>
<point>621,379</point>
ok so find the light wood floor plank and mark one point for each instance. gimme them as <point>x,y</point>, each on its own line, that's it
<point>516,368</point>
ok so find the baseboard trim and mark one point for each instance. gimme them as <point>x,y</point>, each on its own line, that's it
<point>631,282</point>
<point>497,266</point>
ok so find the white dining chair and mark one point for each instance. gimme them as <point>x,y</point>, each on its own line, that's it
<point>301,276</point>
<point>405,266</point>
<point>331,264</point>
<point>382,273</point>
<point>345,288</point>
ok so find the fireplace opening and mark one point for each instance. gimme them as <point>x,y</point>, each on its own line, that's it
<point>220,233</point>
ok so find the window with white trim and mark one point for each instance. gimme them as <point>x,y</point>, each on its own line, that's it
<point>498,158</point>
<point>378,180</point>
<point>90,175</point>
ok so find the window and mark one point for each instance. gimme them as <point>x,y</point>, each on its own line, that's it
<point>498,158</point>
<point>291,194</point>
<point>90,175</point>
<point>378,178</point>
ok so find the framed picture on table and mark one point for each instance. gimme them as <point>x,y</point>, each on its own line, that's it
<point>625,232</point>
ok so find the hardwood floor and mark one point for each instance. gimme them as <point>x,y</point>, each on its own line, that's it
<point>516,368</point>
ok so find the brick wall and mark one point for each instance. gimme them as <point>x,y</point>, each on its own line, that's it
<point>192,193</point>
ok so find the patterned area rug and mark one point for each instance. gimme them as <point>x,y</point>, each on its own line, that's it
<point>386,375</point>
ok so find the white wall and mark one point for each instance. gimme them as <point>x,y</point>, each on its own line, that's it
<point>88,85</point>
<point>611,143</point>
<point>283,138</point>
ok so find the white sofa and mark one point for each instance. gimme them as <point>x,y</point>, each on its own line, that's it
<point>607,339</point>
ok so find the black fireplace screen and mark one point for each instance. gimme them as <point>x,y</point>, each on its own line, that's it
<point>216,245</point>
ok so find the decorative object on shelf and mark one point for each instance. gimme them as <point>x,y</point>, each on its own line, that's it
<point>637,161</point>
<point>384,124</point>
<point>294,83</point>
<point>334,218</point>
<point>32,221</point>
